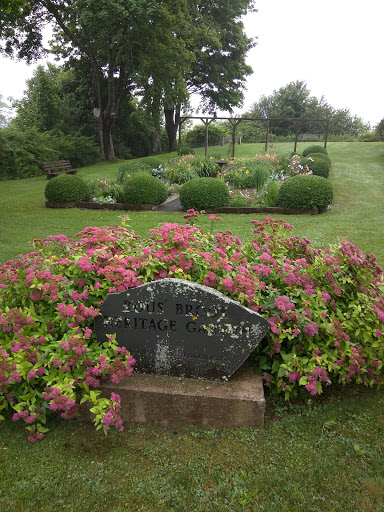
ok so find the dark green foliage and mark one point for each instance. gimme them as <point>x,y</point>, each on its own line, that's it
<point>76,148</point>
<point>380,130</point>
<point>144,189</point>
<point>320,155</point>
<point>24,150</point>
<point>128,169</point>
<point>202,193</point>
<point>67,188</point>
<point>305,193</point>
<point>314,149</point>
<point>185,150</point>
<point>319,167</point>
<point>152,161</point>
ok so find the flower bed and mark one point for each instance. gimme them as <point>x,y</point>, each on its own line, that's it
<point>325,307</point>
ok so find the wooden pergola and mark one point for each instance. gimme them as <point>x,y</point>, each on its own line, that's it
<point>267,121</point>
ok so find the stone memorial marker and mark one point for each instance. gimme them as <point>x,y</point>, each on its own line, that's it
<point>181,328</point>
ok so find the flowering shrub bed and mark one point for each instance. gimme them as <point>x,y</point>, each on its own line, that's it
<point>325,307</point>
<point>188,167</point>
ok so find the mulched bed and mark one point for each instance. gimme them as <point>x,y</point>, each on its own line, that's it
<point>174,205</point>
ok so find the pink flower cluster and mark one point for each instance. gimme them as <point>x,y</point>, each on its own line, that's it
<point>112,417</point>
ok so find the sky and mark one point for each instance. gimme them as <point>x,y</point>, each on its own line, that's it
<point>334,46</point>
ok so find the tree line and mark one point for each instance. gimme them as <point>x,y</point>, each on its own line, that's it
<point>130,68</point>
<point>152,52</point>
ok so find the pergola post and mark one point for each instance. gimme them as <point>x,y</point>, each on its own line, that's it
<point>326,132</point>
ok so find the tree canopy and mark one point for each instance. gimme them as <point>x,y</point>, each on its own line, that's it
<point>159,47</point>
<point>294,100</point>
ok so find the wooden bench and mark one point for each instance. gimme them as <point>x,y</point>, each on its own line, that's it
<point>53,169</point>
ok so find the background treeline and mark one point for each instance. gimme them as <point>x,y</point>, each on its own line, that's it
<point>54,120</point>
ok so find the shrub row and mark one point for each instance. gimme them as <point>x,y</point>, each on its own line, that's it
<point>23,152</point>
<point>141,188</point>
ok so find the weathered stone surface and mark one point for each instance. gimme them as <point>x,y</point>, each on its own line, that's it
<point>180,328</point>
<point>173,402</point>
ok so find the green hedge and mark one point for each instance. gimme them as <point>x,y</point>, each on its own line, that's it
<point>305,193</point>
<point>66,189</point>
<point>314,149</point>
<point>319,166</point>
<point>143,188</point>
<point>202,193</point>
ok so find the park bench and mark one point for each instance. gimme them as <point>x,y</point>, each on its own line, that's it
<point>53,169</point>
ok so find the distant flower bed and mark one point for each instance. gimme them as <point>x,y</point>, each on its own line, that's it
<point>252,182</point>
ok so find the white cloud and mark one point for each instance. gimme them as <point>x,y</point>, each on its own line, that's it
<point>335,46</point>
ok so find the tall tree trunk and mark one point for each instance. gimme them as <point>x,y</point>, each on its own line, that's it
<point>104,127</point>
<point>172,120</point>
<point>156,119</point>
<point>156,142</point>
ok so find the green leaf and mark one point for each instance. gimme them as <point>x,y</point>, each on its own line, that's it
<point>275,366</point>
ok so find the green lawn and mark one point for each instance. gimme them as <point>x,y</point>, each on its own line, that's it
<point>319,455</point>
<point>357,213</point>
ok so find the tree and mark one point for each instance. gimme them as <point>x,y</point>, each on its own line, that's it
<point>115,36</point>
<point>218,70</point>
<point>3,112</point>
<point>295,101</point>
<point>216,132</point>
<point>380,129</point>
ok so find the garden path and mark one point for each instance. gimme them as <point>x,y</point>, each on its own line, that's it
<point>172,204</point>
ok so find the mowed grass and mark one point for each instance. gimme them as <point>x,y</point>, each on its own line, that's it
<point>357,213</point>
<point>321,455</point>
<point>311,457</point>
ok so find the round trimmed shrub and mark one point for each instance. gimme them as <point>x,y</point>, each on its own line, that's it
<point>143,188</point>
<point>314,149</point>
<point>319,167</point>
<point>67,188</point>
<point>202,193</point>
<point>320,155</point>
<point>305,193</point>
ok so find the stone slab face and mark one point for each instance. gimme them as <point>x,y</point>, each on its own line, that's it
<point>172,402</point>
<point>179,328</point>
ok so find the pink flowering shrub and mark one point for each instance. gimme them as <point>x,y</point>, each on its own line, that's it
<point>325,307</point>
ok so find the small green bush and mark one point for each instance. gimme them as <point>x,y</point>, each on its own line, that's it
<point>205,168</point>
<point>314,149</point>
<point>320,155</point>
<point>305,193</point>
<point>67,188</point>
<point>268,195</point>
<point>143,188</point>
<point>185,150</point>
<point>153,162</point>
<point>319,166</point>
<point>128,169</point>
<point>202,193</point>
<point>238,201</point>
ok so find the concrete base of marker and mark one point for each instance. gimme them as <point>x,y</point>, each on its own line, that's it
<point>176,402</point>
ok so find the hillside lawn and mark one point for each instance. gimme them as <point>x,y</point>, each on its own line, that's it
<point>322,454</point>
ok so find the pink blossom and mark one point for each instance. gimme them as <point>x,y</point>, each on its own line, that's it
<point>31,374</point>
<point>228,284</point>
<point>325,295</point>
<point>311,329</point>
<point>283,303</point>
